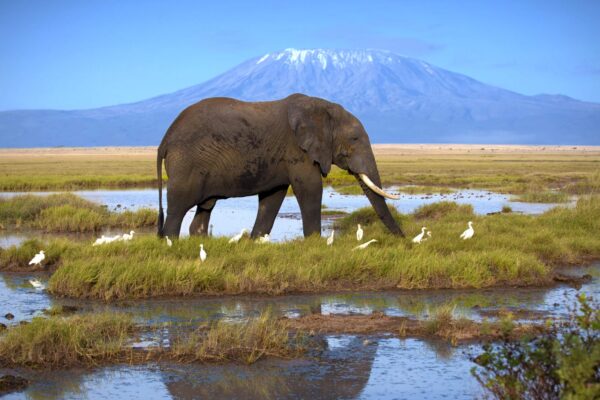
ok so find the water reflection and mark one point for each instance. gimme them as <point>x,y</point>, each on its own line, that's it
<point>385,368</point>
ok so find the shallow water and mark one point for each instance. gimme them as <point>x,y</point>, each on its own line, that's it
<point>231,215</point>
<point>22,300</point>
<point>385,367</point>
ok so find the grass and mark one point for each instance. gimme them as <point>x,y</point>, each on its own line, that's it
<point>514,171</point>
<point>60,342</point>
<point>100,338</point>
<point>247,341</point>
<point>81,169</point>
<point>544,196</point>
<point>425,190</point>
<point>66,212</point>
<point>507,249</point>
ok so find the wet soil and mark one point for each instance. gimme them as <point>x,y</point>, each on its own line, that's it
<point>377,323</point>
<point>11,383</point>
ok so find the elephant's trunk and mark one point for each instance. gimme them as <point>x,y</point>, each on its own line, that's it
<point>377,201</point>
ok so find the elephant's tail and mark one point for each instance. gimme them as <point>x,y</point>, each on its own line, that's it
<point>161,215</point>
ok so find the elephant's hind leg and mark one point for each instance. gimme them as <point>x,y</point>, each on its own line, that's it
<point>269,204</point>
<point>199,225</point>
<point>180,200</point>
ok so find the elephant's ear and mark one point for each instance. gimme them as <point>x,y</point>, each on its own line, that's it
<point>312,125</point>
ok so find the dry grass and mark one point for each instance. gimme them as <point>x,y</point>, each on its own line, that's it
<point>502,168</point>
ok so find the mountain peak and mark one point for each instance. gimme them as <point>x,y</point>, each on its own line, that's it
<point>398,99</point>
<point>331,58</point>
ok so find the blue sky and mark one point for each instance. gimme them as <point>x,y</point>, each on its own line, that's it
<point>83,54</point>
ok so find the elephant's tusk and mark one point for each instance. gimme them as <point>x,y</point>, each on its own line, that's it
<point>375,188</point>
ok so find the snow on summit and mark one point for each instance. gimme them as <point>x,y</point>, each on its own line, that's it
<point>335,58</point>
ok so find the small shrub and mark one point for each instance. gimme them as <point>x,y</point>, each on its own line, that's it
<point>506,210</point>
<point>561,363</point>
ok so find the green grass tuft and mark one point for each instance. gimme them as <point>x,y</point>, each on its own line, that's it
<point>507,249</point>
<point>60,342</point>
<point>66,212</point>
<point>441,209</point>
<point>247,341</point>
<point>544,197</point>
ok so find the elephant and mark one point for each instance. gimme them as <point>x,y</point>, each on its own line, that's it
<point>222,147</point>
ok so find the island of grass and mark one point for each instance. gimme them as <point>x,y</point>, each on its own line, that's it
<point>507,250</point>
<point>92,339</point>
<point>66,212</point>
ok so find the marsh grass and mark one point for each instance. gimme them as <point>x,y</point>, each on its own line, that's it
<point>86,339</point>
<point>17,257</point>
<point>507,249</point>
<point>444,322</point>
<point>246,341</point>
<point>66,212</point>
<point>544,196</point>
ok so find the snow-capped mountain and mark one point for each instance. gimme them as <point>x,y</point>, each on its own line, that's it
<point>399,99</point>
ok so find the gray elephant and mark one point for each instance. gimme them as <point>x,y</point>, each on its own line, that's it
<point>221,147</point>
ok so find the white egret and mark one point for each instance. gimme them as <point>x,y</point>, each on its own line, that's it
<point>127,236</point>
<point>110,239</point>
<point>428,236</point>
<point>420,236</point>
<point>359,233</point>
<point>239,236</point>
<point>330,238</point>
<point>468,234</point>
<point>100,240</point>
<point>364,245</point>
<point>37,284</point>
<point>169,242</point>
<point>202,253</point>
<point>263,239</point>
<point>38,258</point>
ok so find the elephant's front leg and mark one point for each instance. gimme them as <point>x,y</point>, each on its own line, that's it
<point>308,189</point>
<point>269,204</point>
<point>199,225</point>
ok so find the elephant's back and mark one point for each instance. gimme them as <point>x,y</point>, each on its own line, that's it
<point>225,132</point>
<point>222,116</point>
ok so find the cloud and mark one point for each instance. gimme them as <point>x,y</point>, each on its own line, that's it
<point>354,38</point>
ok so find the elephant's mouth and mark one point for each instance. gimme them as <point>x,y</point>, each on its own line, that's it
<point>367,181</point>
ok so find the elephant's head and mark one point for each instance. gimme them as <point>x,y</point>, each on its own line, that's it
<point>331,135</point>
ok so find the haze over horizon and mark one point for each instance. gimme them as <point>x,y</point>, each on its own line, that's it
<point>79,55</point>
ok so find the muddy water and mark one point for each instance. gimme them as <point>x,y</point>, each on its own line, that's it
<point>231,215</point>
